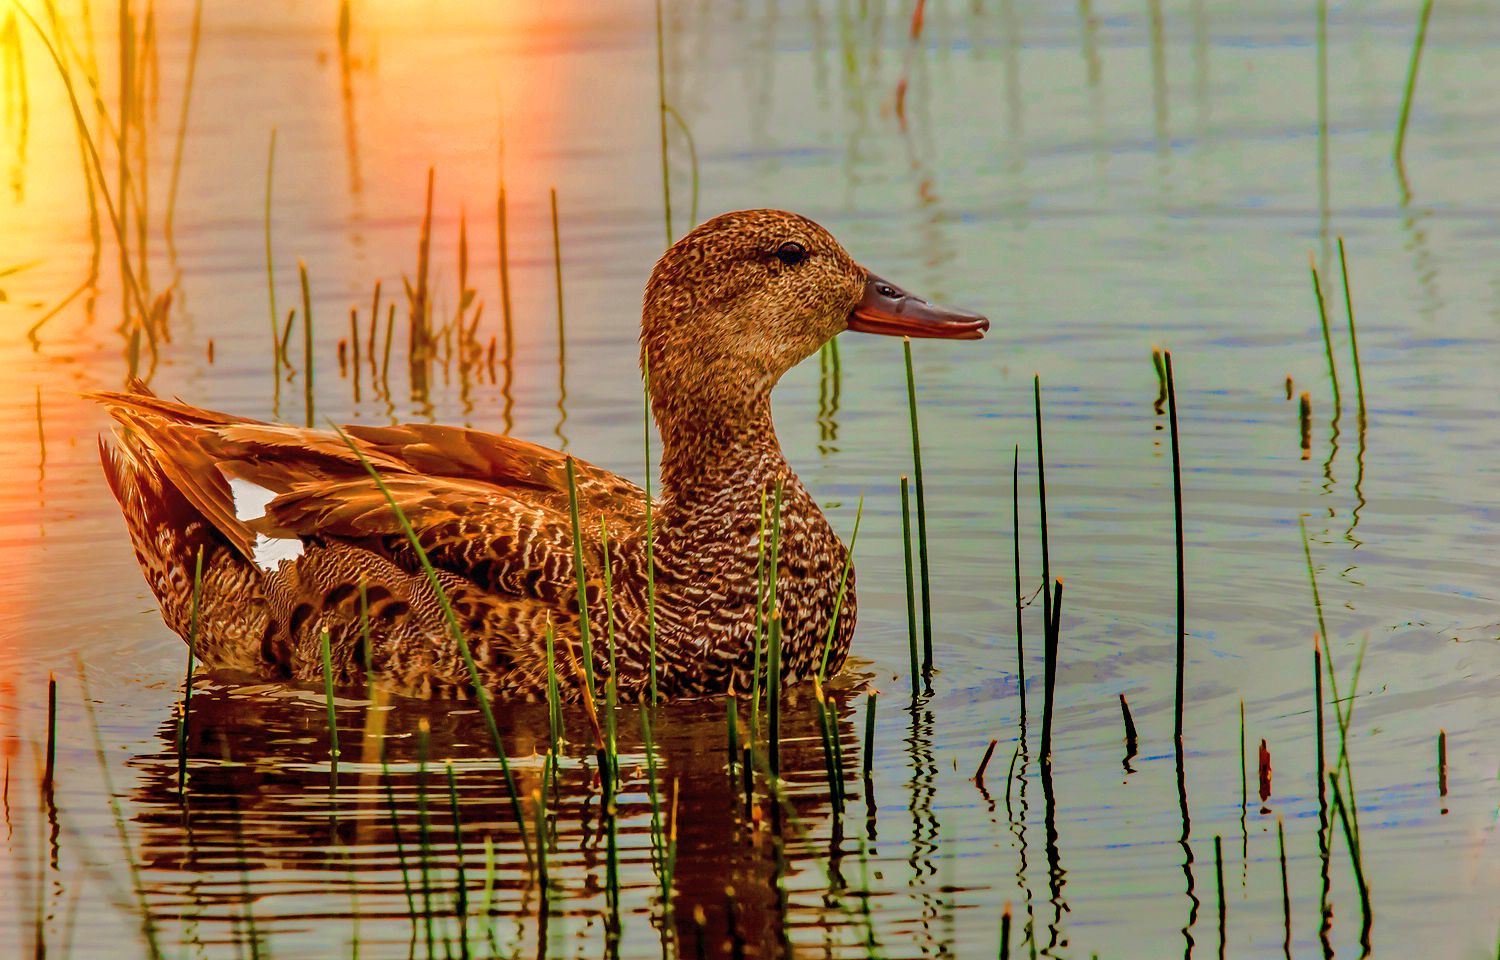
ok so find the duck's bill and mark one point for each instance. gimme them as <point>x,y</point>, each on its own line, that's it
<point>888,310</point>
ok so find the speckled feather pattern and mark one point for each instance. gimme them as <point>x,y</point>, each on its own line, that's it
<point>723,319</point>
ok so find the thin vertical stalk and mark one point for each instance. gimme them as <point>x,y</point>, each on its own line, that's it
<point>661,110</point>
<point>50,771</point>
<point>424,830</point>
<point>461,888</point>
<point>916,458</point>
<point>650,532</point>
<point>480,693</point>
<point>1049,667</point>
<point>838,601</point>
<point>1333,373</point>
<point>870,699</point>
<point>580,578</point>
<point>270,262</point>
<point>1359,380</point>
<point>182,119</point>
<point>911,601</point>
<point>1399,150</point>
<point>187,683</point>
<point>1041,488</point>
<point>307,343</point>
<point>333,726</point>
<point>1181,566</point>
<point>1015,520</point>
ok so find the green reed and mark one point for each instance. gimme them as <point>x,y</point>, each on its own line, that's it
<point>539,814</point>
<point>1244,768</point>
<point>424,832</point>
<point>1333,373</point>
<point>326,647</point>
<point>659,859</point>
<point>1399,150</point>
<point>307,342</point>
<point>187,683</point>
<point>612,685</point>
<point>916,458</point>
<point>1351,839</point>
<point>828,730</point>
<point>760,620</point>
<point>354,351</point>
<point>650,531</point>
<point>385,359</point>
<point>580,577</point>
<point>1177,701</point>
<point>911,597</point>
<point>1359,380</point>
<point>461,888</point>
<point>1015,521</point>
<point>773,695</point>
<point>390,799</point>
<point>732,731</point>
<point>1041,492</point>
<point>838,601</point>
<point>554,700</point>
<point>480,693</point>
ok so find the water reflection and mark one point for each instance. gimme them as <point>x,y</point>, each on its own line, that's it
<point>264,824</point>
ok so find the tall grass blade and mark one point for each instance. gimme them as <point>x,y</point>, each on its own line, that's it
<point>1399,151</point>
<point>333,725</point>
<point>1181,559</point>
<point>1333,373</point>
<point>461,888</point>
<point>307,343</point>
<point>916,458</point>
<point>187,683</point>
<point>580,577</point>
<point>911,600</point>
<point>1359,379</point>
<point>650,532</point>
<point>838,601</point>
<point>480,693</point>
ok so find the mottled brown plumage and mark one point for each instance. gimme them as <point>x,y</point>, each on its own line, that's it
<point>292,529</point>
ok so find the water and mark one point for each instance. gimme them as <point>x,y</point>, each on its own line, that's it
<point>1096,186</point>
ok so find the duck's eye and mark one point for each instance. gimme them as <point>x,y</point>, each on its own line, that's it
<point>791,253</point>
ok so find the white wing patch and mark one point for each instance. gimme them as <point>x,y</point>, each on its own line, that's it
<point>250,500</point>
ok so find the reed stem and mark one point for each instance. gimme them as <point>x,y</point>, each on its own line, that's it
<point>580,578</point>
<point>1181,560</point>
<point>461,888</point>
<point>1399,151</point>
<point>333,726</point>
<point>911,602</point>
<point>650,533</point>
<point>1333,373</point>
<point>187,684</point>
<point>276,349</point>
<point>916,457</point>
<point>307,343</point>
<point>1015,519</point>
<point>1359,380</point>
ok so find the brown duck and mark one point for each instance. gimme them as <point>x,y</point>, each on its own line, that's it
<point>296,538</point>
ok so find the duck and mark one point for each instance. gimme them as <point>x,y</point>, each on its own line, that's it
<point>259,539</point>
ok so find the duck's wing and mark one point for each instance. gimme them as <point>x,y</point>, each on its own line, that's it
<point>489,508</point>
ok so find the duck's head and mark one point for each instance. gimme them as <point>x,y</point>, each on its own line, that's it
<point>746,296</point>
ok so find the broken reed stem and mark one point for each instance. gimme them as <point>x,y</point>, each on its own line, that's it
<point>1244,767</point>
<point>1398,152</point>
<point>870,699</point>
<point>354,348</point>
<point>1005,933</point>
<point>1333,373</point>
<point>916,458</point>
<point>307,343</point>
<point>1359,380</point>
<point>50,771</point>
<point>1442,762</point>
<point>1181,562</point>
<point>911,599</point>
<point>480,693</point>
<point>333,726</point>
<point>984,762</point>
<point>1049,667</point>
<point>579,576</point>
<point>1015,519</point>
<point>1131,739</point>
<point>187,683</point>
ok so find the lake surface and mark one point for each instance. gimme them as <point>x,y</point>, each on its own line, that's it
<point>1098,179</point>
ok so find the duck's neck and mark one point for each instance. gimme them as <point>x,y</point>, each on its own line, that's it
<point>716,431</point>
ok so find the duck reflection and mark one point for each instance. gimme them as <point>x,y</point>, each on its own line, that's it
<point>267,840</point>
